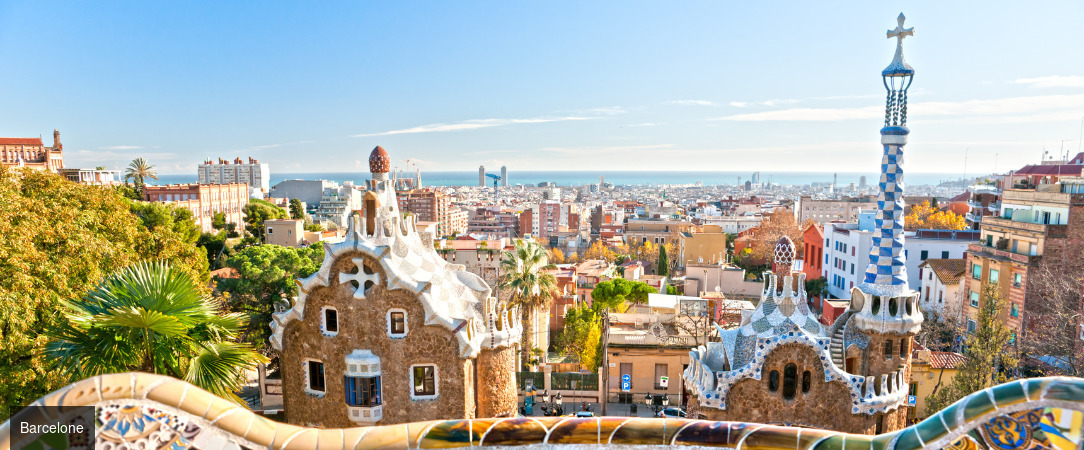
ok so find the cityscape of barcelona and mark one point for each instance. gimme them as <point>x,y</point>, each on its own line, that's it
<point>569,224</point>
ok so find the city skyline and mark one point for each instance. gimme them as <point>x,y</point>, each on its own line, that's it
<point>613,86</point>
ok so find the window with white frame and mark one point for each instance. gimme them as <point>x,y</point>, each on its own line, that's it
<point>314,377</point>
<point>329,321</point>
<point>397,323</point>
<point>974,299</point>
<point>971,326</point>
<point>423,382</point>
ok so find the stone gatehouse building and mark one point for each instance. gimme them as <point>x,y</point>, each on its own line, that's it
<point>388,332</point>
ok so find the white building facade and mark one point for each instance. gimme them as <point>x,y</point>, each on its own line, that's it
<point>252,173</point>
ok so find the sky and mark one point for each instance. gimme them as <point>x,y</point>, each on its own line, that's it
<point>555,85</point>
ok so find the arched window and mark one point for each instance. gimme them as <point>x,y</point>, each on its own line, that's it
<point>773,381</point>
<point>790,381</point>
<point>876,307</point>
<point>888,348</point>
<point>904,343</point>
<point>893,306</point>
<point>807,379</point>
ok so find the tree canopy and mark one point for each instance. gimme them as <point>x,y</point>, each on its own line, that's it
<point>267,274</point>
<point>60,239</point>
<point>925,216</point>
<point>150,318</point>
<point>256,212</point>
<point>296,210</point>
<point>988,353</point>
<point>663,262</point>
<point>612,294</point>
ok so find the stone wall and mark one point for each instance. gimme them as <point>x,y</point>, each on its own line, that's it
<point>496,381</point>
<point>363,326</point>
<point>826,404</point>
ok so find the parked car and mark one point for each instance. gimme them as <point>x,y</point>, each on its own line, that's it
<point>582,414</point>
<point>672,413</point>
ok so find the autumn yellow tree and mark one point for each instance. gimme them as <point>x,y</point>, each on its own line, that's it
<point>924,216</point>
<point>774,226</point>
<point>599,250</point>
<point>557,256</point>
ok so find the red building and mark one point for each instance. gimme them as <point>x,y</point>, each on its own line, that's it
<point>813,253</point>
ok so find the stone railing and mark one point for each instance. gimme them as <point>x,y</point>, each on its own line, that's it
<point>154,411</point>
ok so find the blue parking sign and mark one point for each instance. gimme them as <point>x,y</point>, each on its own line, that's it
<point>625,386</point>
<point>911,400</point>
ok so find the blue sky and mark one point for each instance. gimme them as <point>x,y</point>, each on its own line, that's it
<point>622,85</point>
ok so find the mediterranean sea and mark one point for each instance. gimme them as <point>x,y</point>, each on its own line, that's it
<point>628,178</point>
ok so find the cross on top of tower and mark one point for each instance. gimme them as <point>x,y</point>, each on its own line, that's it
<point>899,67</point>
<point>900,32</point>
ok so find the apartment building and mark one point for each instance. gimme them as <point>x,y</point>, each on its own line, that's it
<point>824,211</point>
<point>253,173</point>
<point>1045,221</point>
<point>204,200</point>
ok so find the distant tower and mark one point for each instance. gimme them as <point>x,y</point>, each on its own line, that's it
<point>417,178</point>
<point>862,182</point>
<point>756,178</point>
<point>835,181</point>
<point>482,176</point>
<point>56,138</point>
<point>504,175</point>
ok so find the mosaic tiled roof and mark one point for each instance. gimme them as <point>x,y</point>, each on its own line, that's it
<point>154,411</point>
<point>451,297</point>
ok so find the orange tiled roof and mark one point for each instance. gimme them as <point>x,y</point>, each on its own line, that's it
<point>20,141</point>
<point>946,360</point>
<point>949,271</point>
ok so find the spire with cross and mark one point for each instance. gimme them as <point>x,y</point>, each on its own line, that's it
<point>899,66</point>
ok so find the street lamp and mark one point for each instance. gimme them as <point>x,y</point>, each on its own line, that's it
<point>665,400</point>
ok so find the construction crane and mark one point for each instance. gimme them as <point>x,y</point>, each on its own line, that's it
<point>496,180</point>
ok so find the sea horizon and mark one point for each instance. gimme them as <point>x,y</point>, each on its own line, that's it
<point>616,177</point>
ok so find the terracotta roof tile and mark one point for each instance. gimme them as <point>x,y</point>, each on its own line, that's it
<point>1051,169</point>
<point>949,271</point>
<point>946,360</point>
<point>20,141</point>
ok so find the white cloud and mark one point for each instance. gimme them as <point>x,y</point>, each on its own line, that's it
<point>121,147</point>
<point>692,102</point>
<point>1016,108</point>
<point>607,110</point>
<point>769,103</point>
<point>580,151</point>
<point>645,124</point>
<point>471,125</point>
<point>1053,81</point>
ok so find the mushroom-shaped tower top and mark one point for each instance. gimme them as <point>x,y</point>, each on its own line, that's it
<point>784,254</point>
<point>379,161</point>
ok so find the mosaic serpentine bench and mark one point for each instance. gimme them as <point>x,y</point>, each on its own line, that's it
<point>138,410</point>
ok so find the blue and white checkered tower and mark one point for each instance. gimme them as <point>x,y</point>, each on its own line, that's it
<point>887,273</point>
<point>883,302</point>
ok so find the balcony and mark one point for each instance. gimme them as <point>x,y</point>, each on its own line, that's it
<point>1008,225</point>
<point>994,253</point>
<point>1026,196</point>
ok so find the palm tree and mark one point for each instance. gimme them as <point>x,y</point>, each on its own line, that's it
<point>149,317</point>
<point>138,171</point>
<point>530,287</point>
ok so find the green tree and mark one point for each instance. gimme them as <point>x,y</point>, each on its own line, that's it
<point>60,239</point>
<point>612,294</point>
<point>988,354</point>
<point>138,171</point>
<point>256,212</point>
<point>575,338</point>
<point>296,210</point>
<point>150,318</point>
<point>663,263</point>
<point>172,236</point>
<point>524,276</point>
<point>267,274</point>
<point>218,221</point>
<point>215,246</point>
